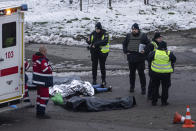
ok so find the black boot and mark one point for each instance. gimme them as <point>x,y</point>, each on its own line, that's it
<point>159,96</point>
<point>103,84</point>
<point>154,103</point>
<point>27,100</point>
<point>149,97</point>
<point>132,89</point>
<point>143,91</point>
<point>165,104</point>
<point>94,82</point>
<point>110,88</point>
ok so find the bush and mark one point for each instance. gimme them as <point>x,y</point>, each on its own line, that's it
<point>171,13</point>
<point>182,0</point>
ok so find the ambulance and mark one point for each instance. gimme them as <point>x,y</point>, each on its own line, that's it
<point>11,54</point>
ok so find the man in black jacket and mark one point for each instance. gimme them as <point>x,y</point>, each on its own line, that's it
<point>99,48</point>
<point>135,58</point>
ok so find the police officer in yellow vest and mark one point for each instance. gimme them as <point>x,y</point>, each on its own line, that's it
<point>162,65</point>
<point>157,39</point>
<point>99,48</point>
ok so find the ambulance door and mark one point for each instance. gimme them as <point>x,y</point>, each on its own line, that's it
<point>9,59</point>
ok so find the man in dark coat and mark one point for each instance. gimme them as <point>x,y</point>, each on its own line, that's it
<point>135,56</point>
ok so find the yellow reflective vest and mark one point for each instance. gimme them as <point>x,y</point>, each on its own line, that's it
<point>155,45</point>
<point>161,62</point>
<point>104,49</point>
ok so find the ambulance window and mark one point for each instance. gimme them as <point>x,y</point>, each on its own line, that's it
<point>9,34</point>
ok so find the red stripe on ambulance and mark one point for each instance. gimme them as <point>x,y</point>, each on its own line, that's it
<point>9,71</point>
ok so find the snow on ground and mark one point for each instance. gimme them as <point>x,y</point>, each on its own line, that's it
<point>57,22</point>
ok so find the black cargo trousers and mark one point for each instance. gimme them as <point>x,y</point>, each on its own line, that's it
<point>140,67</point>
<point>165,80</point>
<point>98,57</point>
<point>150,85</point>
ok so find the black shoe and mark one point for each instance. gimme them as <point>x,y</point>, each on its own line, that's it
<point>131,90</point>
<point>96,91</point>
<point>149,98</point>
<point>143,91</point>
<point>110,88</point>
<point>159,96</point>
<point>154,103</point>
<point>165,104</point>
<point>103,84</point>
<point>43,116</point>
<point>94,82</point>
<point>31,106</point>
<point>27,100</point>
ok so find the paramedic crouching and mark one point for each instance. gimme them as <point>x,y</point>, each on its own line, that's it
<point>42,77</point>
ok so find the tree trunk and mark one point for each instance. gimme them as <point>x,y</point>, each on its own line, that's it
<point>80,5</point>
<point>110,4</point>
<point>146,2</point>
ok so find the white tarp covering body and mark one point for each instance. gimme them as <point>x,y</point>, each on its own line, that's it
<point>73,87</point>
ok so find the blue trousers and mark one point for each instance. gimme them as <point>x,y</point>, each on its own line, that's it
<point>99,89</point>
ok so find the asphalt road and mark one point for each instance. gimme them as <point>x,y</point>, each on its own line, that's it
<point>143,117</point>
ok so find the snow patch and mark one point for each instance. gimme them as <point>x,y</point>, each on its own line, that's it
<point>53,39</point>
<point>53,21</point>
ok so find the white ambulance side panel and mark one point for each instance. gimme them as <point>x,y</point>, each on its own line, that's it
<point>11,86</point>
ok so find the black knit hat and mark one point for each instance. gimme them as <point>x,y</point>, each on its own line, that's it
<point>157,35</point>
<point>135,26</point>
<point>162,46</point>
<point>98,26</point>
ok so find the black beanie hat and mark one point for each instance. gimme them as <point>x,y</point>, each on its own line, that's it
<point>162,46</point>
<point>98,26</point>
<point>135,26</point>
<point>157,35</point>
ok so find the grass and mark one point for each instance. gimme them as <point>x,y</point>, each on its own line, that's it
<point>40,23</point>
<point>142,12</point>
<point>171,13</point>
<point>117,14</point>
<point>86,18</point>
<point>154,9</point>
<point>60,28</point>
<point>96,18</point>
<point>70,21</point>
